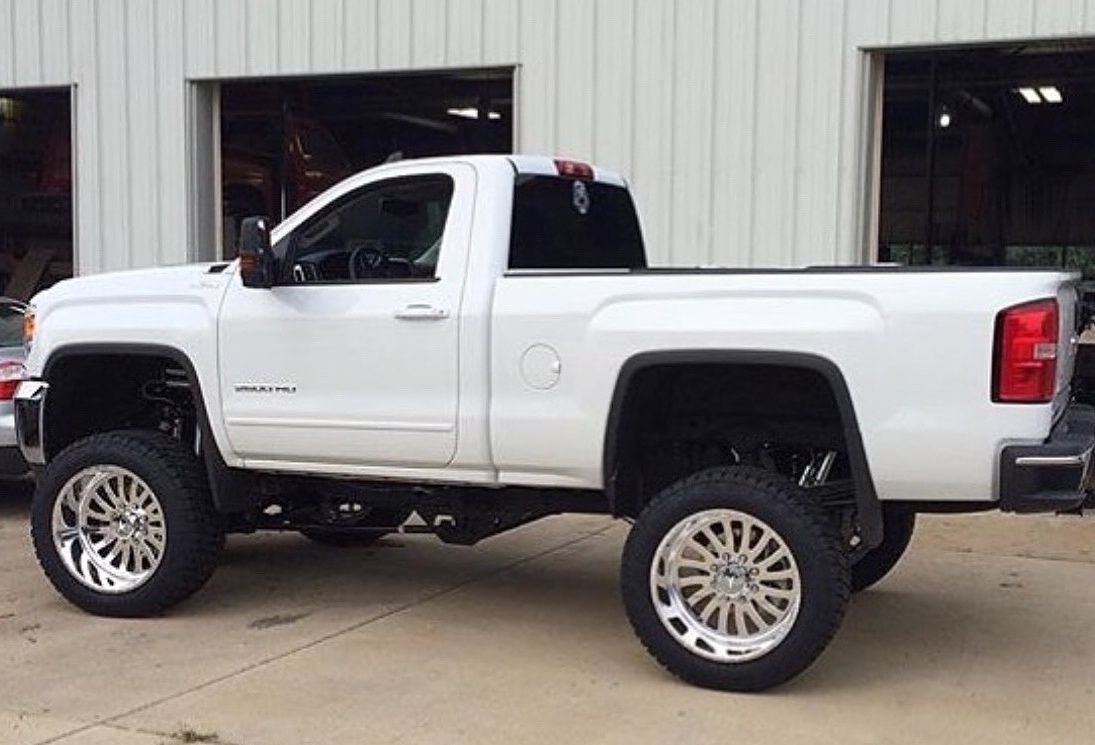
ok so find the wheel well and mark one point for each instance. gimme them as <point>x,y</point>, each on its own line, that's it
<point>99,392</point>
<point>675,418</point>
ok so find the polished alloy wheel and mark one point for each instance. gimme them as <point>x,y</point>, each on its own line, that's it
<point>725,585</point>
<point>109,529</point>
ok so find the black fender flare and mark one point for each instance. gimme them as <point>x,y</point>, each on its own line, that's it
<point>868,506</point>
<point>230,487</point>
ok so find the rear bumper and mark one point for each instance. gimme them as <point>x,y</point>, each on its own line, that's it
<point>30,411</point>
<point>1054,476</point>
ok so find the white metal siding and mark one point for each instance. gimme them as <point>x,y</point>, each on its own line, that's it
<point>740,122</point>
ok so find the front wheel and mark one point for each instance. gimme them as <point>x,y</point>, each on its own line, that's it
<point>123,524</point>
<point>733,580</point>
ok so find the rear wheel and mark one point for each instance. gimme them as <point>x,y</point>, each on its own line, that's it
<point>123,524</point>
<point>898,523</point>
<point>733,580</point>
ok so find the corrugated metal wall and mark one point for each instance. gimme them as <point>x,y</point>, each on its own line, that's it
<point>741,123</point>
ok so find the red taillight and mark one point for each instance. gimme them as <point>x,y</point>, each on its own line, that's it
<point>574,169</point>
<point>11,375</point>
<point>1026,353</point>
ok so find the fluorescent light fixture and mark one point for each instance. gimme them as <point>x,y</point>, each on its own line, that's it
<point>1029,95</point>
<point>1051,94</point>
<point>473,113</point>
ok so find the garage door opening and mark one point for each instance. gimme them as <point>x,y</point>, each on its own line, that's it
<point>35,190</point>
<point>283,142</point>
<point>988,157</point>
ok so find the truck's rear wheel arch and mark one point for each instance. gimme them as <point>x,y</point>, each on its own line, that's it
<point>74,370</point>
<point>639,378</point>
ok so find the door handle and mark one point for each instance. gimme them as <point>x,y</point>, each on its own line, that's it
<point>421,312</point>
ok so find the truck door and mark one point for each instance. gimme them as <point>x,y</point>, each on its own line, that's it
<point>351,358</point>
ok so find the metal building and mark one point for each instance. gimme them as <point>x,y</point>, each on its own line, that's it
<point>750,129</point>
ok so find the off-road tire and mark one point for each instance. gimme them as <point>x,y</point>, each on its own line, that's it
<point>898,523</point>
<point>195,533</point>
<point>807,531</point>
<point>381,517</point>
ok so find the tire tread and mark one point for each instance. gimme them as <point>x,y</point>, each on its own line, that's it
<point>200,532</point>
<point>789,497</point>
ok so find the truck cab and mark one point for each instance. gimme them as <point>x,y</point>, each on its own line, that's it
<point>387,283</point>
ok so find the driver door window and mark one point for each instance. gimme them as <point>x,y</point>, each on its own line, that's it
<point>391,230</point>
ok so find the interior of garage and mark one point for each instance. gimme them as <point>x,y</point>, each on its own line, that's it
<point>988,156</point>
<point>35,191</point>
<point>282,142</point>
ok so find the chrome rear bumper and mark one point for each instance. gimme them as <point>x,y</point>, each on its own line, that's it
<point>1055,476</point>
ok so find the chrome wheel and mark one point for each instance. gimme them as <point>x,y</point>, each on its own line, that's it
<point>725,585</point>
<point>109,529</point>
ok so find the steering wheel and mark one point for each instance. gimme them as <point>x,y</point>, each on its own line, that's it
<point>365,260</point>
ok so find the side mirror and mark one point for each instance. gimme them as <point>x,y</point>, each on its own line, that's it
<point>257,265</point>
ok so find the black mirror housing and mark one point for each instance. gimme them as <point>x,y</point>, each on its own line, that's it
<point>257,265</point>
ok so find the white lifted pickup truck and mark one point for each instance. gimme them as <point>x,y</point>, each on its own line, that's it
<point>461,346</point>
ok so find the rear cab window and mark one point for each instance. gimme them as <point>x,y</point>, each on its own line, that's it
<point>570,223</point>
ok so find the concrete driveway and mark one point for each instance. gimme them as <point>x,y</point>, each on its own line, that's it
<point>983,634</point>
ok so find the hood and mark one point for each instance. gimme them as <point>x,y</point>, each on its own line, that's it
<point>156,284</point>
<point>167,306</point>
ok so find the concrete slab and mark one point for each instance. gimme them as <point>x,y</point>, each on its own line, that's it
<point>100,735</point>
<point>273,594</point>
<point>951,649</point>
<point>25,727</point>
<point>1063,537</point>
<point>523,638</point>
